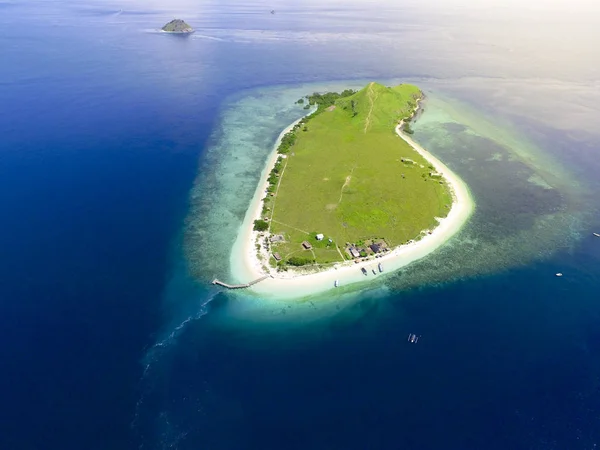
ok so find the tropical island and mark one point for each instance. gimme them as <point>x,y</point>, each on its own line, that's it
<point>348,194</point>
<point>177,26</point>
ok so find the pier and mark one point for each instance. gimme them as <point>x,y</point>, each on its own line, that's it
<point>239,286</point>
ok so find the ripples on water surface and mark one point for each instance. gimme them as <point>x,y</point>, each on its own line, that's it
<point>533,203</point>
<point>123,115</point>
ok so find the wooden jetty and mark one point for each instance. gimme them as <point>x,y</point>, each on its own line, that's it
<point>239,286</point>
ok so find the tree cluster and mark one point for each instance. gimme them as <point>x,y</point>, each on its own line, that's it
<point>326,100</point>
<point>261,225</point>
<point>298,261</point>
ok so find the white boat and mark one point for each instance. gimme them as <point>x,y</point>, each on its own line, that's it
<point>596,234</point>
<point>559,274</point>
<point>336,283</point>
<point>413,338</point>
<point>380,267</point>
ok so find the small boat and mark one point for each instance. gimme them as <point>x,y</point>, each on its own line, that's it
<point>380,267</point>
<point>364,271</point>
<point>336,283</point>
<point>596,234</point>
<point>559,274</point>
<point>413,338</point>
<point>374,273</point>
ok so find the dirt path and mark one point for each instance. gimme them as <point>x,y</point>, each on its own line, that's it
<point>286,225</point>
<point>340,252</point>
<point>346,183</point>
<point>276,192</point>
<point>372,98</point>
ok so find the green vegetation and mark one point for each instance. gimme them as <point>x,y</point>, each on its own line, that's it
<point>261,225</point>
<point>300,261</point>
<point>287,141</point>
<point>324,101</point>
<point>177,26</point>
<point>346,174</point>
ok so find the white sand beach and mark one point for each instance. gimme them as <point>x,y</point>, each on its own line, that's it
<point>246,266</point>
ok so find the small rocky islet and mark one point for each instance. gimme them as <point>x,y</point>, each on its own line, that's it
<point>177,26</point>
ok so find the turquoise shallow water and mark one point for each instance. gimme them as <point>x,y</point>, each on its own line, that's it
<point>334,370</point>
<point>529,204</point>
<point>128,158</point>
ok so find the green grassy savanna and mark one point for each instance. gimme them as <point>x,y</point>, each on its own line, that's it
<point>344,177</point>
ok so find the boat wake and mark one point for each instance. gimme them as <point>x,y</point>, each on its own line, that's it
<point>210,38</point>
<point>153,365</point>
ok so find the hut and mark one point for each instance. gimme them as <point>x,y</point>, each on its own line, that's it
<point>375,247</point>
<point>306,245</point>
<point>277,257</point>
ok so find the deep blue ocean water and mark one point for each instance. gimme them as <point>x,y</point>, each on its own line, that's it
<point>104,123</point>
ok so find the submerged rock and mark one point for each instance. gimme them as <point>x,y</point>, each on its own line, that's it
<point>177,26</point>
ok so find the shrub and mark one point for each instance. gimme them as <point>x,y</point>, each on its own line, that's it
<point>287,142</point>
<point>299,261</point>
<point>324,101</point>
<point>260,225</point>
